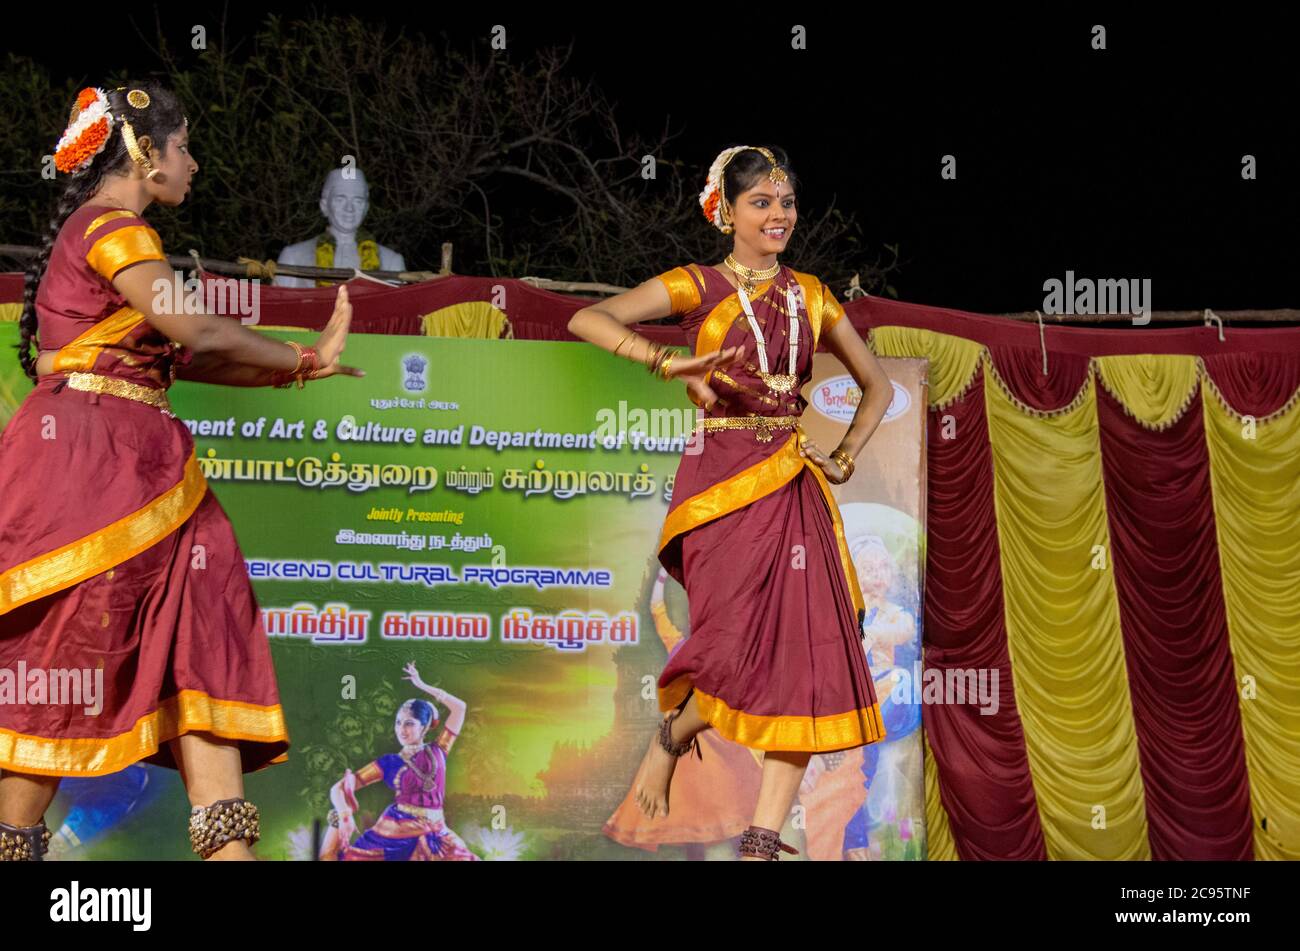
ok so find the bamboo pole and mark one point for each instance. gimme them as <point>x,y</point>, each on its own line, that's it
<point>246,267</point>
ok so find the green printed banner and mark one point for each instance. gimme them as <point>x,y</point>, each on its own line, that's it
<point>482,518</point>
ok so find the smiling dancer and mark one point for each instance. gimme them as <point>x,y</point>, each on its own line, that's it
<point>775,660</point>
<point>115,558</point>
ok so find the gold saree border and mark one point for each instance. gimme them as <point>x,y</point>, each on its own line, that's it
<point>734,492</point>
<point>109,546</point>
<point>81,353</point>
<point>124,247</point>
<point>187,712</point>
<point>750,484</point>
<point>795,733</point>
<point>814,301</point>
<point>841,540</point>
<point>105,219</point>
<point>714,329</point>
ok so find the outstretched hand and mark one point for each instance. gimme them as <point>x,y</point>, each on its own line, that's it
<point>693,370</point>
<point>331,342</point>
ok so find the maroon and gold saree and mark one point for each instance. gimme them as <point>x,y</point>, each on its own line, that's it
<point>775,657</point>
<point>114,554</point>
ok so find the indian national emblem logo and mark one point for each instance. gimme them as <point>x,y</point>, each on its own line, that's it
<point>414,365</point>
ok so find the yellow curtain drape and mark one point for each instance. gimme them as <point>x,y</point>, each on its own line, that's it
<point>953,360</point>
<point>1155,388</point>
<point>476,319</point>
<point>1062,619</point>
<point>1255,475</point>
<point>939,843</point>
<point>11,311</point>
<point>1063,631</point>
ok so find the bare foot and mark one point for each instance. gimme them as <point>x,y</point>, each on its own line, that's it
<point>656,775</point>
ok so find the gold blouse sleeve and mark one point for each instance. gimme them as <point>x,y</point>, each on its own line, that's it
<point>832,310</point>
<point>445,739</point>
<point>123,247</point>
<point>683,292</point>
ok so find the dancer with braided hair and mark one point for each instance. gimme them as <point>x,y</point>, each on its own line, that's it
<point>115,557</point>
<point>775,660</point>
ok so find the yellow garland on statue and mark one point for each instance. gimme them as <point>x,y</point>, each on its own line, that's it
<point>367,250</point>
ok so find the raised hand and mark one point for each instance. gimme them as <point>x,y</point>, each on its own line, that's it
<point>331,342</point>
<point>410,673</point>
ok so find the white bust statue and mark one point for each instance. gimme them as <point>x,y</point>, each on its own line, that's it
<point>344,201</point>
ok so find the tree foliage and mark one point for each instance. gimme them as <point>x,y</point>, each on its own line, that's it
<point>523,166</point>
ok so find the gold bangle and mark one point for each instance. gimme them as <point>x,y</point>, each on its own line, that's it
<point>663,367</point>
<point>298,351</point>
<point>623,341</point>
<point>845,461</point>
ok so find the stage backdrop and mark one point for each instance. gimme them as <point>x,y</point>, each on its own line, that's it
<point>452,510</point>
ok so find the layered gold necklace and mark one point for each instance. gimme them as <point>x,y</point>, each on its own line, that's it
<point>779,383</point>
<point>427,779</point>
<point>749,277</point>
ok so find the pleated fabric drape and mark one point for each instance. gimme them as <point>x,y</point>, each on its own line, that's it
<point>1119,537</point>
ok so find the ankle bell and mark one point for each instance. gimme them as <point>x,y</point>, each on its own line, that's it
<point>24,843</point>
<point>764,843</point>
<point>211,827</point>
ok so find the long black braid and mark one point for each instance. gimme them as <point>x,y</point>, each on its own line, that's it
<point>74,196</point>
<point>160,119</point>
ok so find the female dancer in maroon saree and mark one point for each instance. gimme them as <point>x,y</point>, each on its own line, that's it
<point>116,561</point>
<point>775,660</point>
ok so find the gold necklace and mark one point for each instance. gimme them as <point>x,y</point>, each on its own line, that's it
<point>778,383</point>
<point>748,276</point>
<point>428,779</point>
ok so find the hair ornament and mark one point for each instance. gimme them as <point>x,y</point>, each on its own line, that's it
<point>713,200</point>
<point>89,127</point>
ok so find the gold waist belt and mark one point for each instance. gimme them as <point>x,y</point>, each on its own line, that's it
<point>99,383</point>
<point>765,425</point>
<point>422,812</point>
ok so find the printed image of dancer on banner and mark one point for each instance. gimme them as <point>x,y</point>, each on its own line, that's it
<point>868,804</point>
<point>413,828</point>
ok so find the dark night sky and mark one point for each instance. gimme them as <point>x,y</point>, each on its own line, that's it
<point>1119,164</point>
